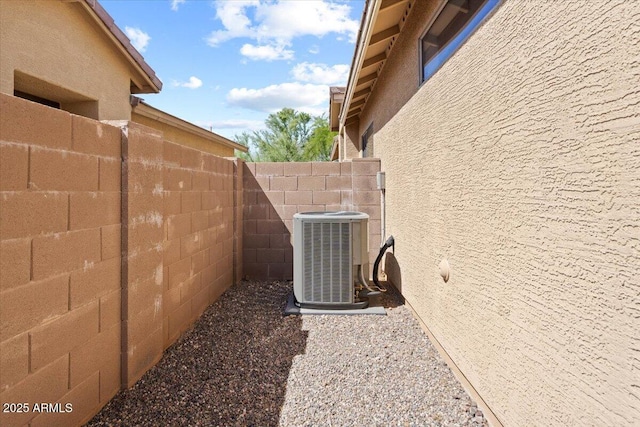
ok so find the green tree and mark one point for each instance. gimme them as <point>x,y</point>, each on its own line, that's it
<point>290,136</point>
<point>318,147</point>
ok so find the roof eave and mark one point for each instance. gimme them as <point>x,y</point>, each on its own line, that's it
<point>148,82</point>
<point>381,25</point>
<point>142,108</point>
<point>358,56</point>
<point>336,98</point>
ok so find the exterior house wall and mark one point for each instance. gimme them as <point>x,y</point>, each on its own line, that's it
<point>351,143</point>
<point>274,192</point>
<point>76,57</point>
<point>518,162</point>
<point>188,139</point>
<point>71,59</point>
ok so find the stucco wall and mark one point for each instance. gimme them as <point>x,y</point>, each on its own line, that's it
<point>65,49</point>
<point>173,134</point>
<point>519,162</point>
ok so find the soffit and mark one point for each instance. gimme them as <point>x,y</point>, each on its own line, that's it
<point>381,24</point>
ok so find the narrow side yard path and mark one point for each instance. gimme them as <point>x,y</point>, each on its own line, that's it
<point>245,364</point>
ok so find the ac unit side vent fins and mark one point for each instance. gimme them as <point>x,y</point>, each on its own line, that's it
<point>327,262</point>
<point>328,247</point>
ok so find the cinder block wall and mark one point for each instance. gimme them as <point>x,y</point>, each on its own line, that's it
<point>59,261</point>
<point>142,250</point>
<point>274,192</point>
<point>199,234</point>
<point>112,242</point>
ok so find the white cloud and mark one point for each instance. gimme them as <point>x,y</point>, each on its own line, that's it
<point>304,97</point>
<point>266,52</point>
<point>193,83</point>
<point>139,39</point>
<point>314,50</point>
<point>176,3</point>
<point>321,73</point>
<point>233,16</point>
<point>277,23</point>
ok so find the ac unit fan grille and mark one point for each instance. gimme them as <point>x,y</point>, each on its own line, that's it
<point>327,269</point>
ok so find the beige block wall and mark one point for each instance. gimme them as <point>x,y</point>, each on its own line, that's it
<point>238,218</point>
<point>142,250</point>
<point>64,48</point>
<point>59,261</point>
<point>97,222</point>
<point>199,234</point>
<point>518,162</point>
<point>274,192</point>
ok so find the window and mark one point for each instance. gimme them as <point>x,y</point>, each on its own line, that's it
<point>37,99</point>
<point>53,95</point>
<point>453,25</point>
<point>367,142</point>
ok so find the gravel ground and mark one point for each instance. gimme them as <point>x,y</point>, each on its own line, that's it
<point>245,364</point>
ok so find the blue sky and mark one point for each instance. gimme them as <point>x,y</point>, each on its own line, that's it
<point>226,65</point>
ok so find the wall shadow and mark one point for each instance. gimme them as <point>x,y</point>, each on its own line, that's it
<point>392,268</point>
<point>267,228</point>
<point>390,299</point>
<point>274,192</point>
<point>230,369</point>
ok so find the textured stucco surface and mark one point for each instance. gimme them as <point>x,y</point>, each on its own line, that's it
<point>64,49</point>
<point>179,136</point>
<point>519,162</point>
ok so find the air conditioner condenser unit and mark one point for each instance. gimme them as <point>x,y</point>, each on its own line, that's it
<point>330,258</point>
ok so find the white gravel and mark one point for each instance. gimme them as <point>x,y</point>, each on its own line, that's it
<point>246,364</point>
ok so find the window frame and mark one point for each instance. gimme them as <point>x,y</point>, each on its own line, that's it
<point>53,95</point>
<point>365,139</point>
<point>477,18</point>
<point>35,98</point>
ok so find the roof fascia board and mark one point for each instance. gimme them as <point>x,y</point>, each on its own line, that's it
<point>335,149</point>
<point>122,43</point>
<point>369,17</point>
